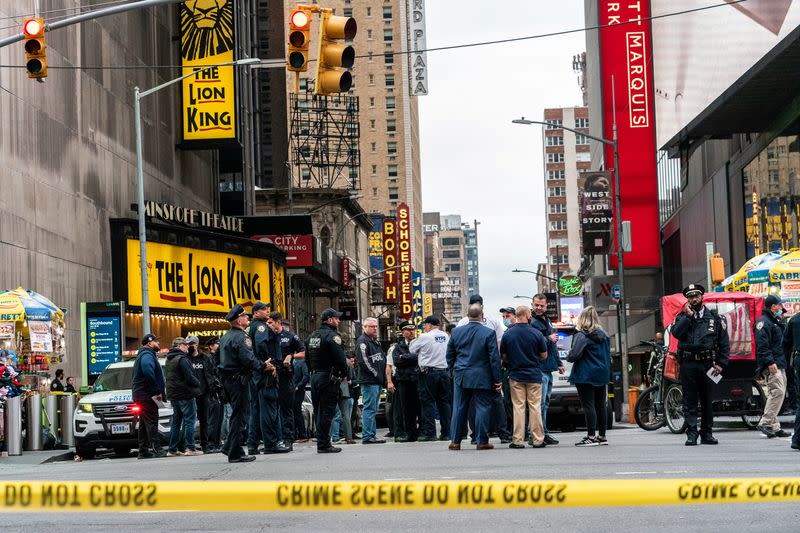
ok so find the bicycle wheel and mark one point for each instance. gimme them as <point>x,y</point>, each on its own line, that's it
<point>645,410</point>
<point>755,403</point>
<point>673,408</point>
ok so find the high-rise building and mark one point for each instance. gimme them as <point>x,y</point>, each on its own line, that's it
<point>388,172</point>
<point>566,155</point>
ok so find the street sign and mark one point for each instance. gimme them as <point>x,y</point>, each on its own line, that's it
<point>616,293</point>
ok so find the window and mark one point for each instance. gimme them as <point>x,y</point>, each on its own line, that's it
<point>387,12</point>
<point>369,57</point>
<point>453,267</point>
<point>303,84</point>
<point>555,158</point>
<point>390,83</point>
<point>391,147</point>
<point>451,241</point>
<point>393,194</point>
<point>369,11</point>
<point>774,176</point>
<point>555,141</point>
<point>372,147</point>
<point>306,174</point>
<point>372,124</point>
<point>305,150</point>
<point>451,254</point>
<point>372,79</point>
<point>558,242</point>
<point>556,191</point>
<point>348,12</point>
<point>374,192</point>
<point>557,209</point>
<point>391,125</point>
<point>393,171</point>
<point>581,139</point>
<point>581,122</point>
<point>390,102</point>
<point>557,225</point>
<point>369,35</point>
<point>555,174</point>
<point>554,123</point>
<point>559,259</point>
<point>371,99</point>
<point>388,59</point>
<point>387,35</point>
<point>583,157</point>
<point>374,169</point>
<point>392,212</point>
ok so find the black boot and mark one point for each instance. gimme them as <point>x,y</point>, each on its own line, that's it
<point>691,437</point>
<point>708,438</point>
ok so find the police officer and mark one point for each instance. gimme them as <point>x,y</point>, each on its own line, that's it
<point>326,361</point>
<point>791,350</point>
<point>265,420</point>
<point>236,363</point>
<point>291,348</point>
<point>371,379</point>
<point>406,380</point>
<point>772,363</point>
<point>435,385</point>
<point>702,345</point>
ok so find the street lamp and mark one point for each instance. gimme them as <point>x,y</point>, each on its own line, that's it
<point>137,107</point>
<point>344,225</point>
<point>623,320</point>
<point>523,297</point>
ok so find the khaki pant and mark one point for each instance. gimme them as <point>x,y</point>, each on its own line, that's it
<point>530,394</point>
<point>776,391</point>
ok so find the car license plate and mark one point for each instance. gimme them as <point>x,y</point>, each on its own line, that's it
<point>117,429</point>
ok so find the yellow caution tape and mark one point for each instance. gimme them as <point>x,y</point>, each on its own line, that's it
<point>248,496</point>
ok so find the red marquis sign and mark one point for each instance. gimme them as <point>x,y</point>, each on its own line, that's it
<point>390,277</point>
<point>404,259</point>
<point>626,54</point>
<point>346,271</point>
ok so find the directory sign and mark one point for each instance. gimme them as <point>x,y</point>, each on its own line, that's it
<point>103,330</point>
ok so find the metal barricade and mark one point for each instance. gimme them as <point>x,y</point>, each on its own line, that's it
<point>13,425</point>
<point>33,426</point>
<point>51,410</point>
<point>67,403</point>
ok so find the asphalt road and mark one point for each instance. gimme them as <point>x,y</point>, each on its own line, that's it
<point>632,454</point>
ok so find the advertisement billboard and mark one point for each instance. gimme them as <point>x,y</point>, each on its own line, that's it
<point>571,307</point>
<point>698,56</point>
<point>390,274</point>
<point>376,244</point>
<point>404,260</point>
<point>597,213</point>
<point>627,89</point>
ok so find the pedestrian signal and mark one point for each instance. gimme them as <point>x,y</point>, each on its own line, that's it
<point>35,48</point>
<point>335,57</point>
<point>297,49</point>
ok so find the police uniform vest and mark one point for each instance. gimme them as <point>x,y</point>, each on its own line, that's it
<point>236,353</point>
<point>319,351</point>
<point>701,338</point>
<point>404,362</point>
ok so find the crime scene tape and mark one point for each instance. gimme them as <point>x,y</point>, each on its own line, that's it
<point>249,496</point>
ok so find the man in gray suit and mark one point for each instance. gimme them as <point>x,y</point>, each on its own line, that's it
<point>473,357</point>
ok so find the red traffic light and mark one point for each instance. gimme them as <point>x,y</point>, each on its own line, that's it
<point>33,27</point>
<point>300,20</point>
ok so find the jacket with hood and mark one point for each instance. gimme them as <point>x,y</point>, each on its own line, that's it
<point>591,358</point>
<point>181,381</point>
<point>148,379</point>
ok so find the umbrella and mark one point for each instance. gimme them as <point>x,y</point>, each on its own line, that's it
<point>755,270</point>
<point>787,268</point>
<point>21,304</point>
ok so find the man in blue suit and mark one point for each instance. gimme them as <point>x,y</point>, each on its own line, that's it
<point>473,357</point>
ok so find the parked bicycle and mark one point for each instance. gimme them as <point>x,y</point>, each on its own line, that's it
<point>649,408</point>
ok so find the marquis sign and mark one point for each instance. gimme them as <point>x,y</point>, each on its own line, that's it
<point>570,285</point>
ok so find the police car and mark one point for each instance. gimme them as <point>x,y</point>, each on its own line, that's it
<point>108,417</point>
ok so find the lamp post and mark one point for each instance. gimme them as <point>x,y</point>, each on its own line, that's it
<point>523,297</point>
<point>137,111</point>
<point>623,320</point>
<point>344,225</point>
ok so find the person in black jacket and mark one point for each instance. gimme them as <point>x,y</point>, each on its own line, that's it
<point>215,405</point>
<point>301,379</point>
<point>791,350</point>
<point>204,372</point>
<point>406,381</point>
<point>147,387</point>
<point>703,345</point>
<point>182,388</point>
<point>772,363</point>
<point>57,385</point>
<point>371,378</point>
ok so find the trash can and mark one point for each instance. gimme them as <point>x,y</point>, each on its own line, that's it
<point>67,403</point>
<point>13,425</point>
<point>33,427</point>
<point>51,410</point>
<point>633,395</point>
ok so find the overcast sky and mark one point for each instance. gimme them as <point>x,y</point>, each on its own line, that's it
<point>474,161</point>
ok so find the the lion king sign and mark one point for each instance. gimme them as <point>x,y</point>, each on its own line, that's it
<point>209,98</point>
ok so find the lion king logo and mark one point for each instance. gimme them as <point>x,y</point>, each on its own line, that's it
<point>206,28</point>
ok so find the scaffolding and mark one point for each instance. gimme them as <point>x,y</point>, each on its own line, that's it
<point>323,141</point>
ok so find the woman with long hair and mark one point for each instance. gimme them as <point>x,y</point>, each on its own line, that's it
<point>591,369</point>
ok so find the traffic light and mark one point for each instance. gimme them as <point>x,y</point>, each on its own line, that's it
<point>35,48</point>
<point>297,50</point>
<point>335,57</point>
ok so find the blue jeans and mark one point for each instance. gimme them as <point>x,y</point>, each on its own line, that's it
<point>184,412</point>
<point>547,390</point>
<point>482,399</point>
<point>370,395</point>
<point>337,420</point>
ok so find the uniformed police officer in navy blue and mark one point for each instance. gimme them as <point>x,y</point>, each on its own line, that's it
<point>291,348</point>
<point>326,361</point>
<point>236,364</point>
<point>265,419</point>
<point>702,345</point>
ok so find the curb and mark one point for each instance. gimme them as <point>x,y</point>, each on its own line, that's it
<point>66,456</point>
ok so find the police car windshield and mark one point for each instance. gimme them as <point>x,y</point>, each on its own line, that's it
<point>114,379</point>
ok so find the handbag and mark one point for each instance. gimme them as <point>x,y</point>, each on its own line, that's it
<point>672,368</point>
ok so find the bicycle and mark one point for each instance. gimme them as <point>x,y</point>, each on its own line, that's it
<point>649,410</point>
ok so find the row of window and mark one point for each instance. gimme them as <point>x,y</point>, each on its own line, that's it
<point>557,123</point>
<point>391,148</point>
<point>558,140</point>
<point>557,225</point>
<point>391,102</point>
<point>391,125</point>
<point>392,170</point>
<point>580,157</point>
<point>388,35</point>
<point>387,11</point>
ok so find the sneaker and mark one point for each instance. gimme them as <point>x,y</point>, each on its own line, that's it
<point>192,453</point>
<point>532,444</point>
<point>587,441</point>
<point>766,430</point>
<point>329,449</point>
<point>174,454</point>
<point>782,433</point>
<point>602,441</point>
<point>550,441</point>
<point>516,446</point>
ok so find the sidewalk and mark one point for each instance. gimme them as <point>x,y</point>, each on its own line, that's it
<point>37,458</point>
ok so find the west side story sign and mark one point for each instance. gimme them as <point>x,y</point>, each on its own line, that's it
<point>418,60</point>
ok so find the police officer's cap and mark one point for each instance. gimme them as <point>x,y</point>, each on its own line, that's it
<point>432,320</point>
<point>772,299</point>
<point>330,313</point>
<point>405,324</point>
<point>693,289</point>
<point>212,340</point>
<point>149,338</point>
<point>476,299</point>
<point>508,309</point>
<point>258,306</point>
<point>235,312</point>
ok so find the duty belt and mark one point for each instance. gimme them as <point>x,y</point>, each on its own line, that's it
<point>426,369</point>
<point>698,356</point>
